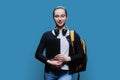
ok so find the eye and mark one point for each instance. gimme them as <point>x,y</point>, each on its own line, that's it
<point>56,16</point>
<point>63,15</point>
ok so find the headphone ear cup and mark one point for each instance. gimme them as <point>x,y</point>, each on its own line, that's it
<point>56,32</point>
<point>64,31</point>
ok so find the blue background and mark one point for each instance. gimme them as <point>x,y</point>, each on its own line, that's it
<point>22,23</point>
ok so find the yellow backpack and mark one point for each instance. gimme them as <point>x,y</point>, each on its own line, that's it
<point>81,67</point>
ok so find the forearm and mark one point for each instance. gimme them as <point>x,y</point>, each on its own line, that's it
<point>41,57</point>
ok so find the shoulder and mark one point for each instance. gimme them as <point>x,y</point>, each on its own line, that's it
<point>47,33</point>
<point>76,34</point>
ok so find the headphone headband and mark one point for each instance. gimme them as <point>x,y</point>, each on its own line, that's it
<point>57,31</point>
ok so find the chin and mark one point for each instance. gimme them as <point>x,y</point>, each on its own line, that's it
<point>62,25</point>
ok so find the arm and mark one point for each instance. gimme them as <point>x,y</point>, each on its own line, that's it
<point>39,52</point>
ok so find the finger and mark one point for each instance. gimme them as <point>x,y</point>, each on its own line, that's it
<point>59,55</point>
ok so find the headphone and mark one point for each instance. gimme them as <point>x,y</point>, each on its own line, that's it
<point>57,31</point>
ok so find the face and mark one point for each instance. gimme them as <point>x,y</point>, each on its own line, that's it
<point>60,18</point>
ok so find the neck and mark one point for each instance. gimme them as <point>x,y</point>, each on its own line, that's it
<point>60,28</point>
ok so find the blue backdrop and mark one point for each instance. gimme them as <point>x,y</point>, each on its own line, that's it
<point>22,23</point>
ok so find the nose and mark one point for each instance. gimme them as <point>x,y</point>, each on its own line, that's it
<point>59,18</point>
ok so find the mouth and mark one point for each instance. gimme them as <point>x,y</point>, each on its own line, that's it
<point>60,22</point>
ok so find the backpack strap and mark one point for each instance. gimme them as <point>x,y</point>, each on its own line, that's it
<point>72,35</point>
<point>72,40</point>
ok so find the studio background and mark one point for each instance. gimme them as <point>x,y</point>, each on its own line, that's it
<point>22,23</point>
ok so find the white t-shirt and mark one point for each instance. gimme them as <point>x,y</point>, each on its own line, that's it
<point>64,47</point>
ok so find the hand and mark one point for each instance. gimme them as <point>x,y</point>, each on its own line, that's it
<point>62,58</point>
<point>55,63</point>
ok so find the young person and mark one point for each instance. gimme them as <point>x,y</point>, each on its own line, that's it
<point>59,58</point>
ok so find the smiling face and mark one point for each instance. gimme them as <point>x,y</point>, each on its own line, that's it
<point>60,18</point>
